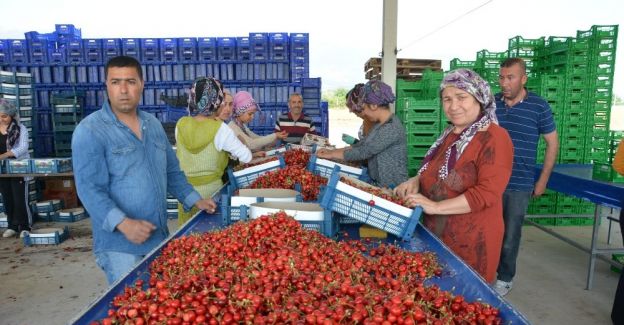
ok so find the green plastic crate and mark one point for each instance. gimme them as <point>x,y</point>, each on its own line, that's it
<point>618,258</point>
<point>422,139</point>
<point>543,221</point>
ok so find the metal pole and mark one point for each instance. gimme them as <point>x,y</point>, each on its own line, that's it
<point>389,42</point>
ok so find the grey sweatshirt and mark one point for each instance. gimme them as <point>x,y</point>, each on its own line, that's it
<point>385,149</point>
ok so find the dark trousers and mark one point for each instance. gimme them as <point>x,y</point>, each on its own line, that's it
<point>14,199</point>
<point>617,313</point>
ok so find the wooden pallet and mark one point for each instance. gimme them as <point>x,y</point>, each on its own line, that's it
<point>421,64</point>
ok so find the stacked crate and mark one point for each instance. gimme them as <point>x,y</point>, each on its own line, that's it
<point>575,76</point>
<point>66,114</point>
<point>488,65</point>
<point>17,88</point>
<point>271,66</point>
<point>418,107</point>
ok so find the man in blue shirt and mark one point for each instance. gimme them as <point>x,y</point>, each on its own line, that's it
<point>124,167</point>
<point>526,116</point>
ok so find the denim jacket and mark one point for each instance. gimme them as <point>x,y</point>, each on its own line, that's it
<point>117,175</point>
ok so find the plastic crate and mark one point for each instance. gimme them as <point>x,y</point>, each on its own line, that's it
<point>243,49</point>
<point>172,214</point>
<point>4,223</point>
<point>245,177</point>
<point>172,204</point>
<point>18,51</point>
<point>382,214</point>
<point>131,47</point>
<point>4,52</point>
<point>236,208</point>
<point>150,50</point>
<point>187,49</point>
<point>21,166</point>
<point>325,168</point>
<point>37,51</point>
<point>259,45</point>
<point>111,47</point>
<point>49,206</point>
<point>278,46</point>
<point>71,215</point>
<point>206,49</point>
<point>168,49</point>
<point>51,165</point>
<point>549,221</point>
<point>48,236</point>
<point>226,48</point>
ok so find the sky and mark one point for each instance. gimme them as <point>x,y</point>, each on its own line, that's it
<point>344,34</point>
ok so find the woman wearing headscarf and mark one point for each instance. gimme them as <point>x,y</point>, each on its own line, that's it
<point>245,107</point>
<point>355,106</point>
<point>14,145</point>
<point>385,147</point>
<point>463,175</point>
<point>204,141</point>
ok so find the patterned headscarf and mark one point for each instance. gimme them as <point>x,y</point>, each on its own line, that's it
<point>470,82</point>
<point>13,130</point>
<point>206,96</point>
<point>354,98</point>
<point>377,92</point>
<point>244,102</point>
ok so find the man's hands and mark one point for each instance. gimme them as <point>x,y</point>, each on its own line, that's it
<point>207,205</point>
<point>281,135</point>
<point>136,231</point>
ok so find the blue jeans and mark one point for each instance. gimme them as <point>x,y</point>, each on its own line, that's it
<point>115,264</point>
<point>515,204</point>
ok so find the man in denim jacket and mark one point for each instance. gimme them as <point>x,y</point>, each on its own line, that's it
<point>124,167</point>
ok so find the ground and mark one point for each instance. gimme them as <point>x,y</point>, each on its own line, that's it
<point>53,284</point>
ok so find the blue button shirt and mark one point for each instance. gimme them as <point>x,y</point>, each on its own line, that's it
<point>525,122</point>
<point>117,175</point>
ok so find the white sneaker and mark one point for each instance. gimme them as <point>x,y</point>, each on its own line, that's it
<point>24,233</point>
<point>9,233</point>
<point>503,287</point>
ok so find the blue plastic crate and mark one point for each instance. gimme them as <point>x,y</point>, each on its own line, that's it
<point>44,145</point>
<point>172,213</point>
<point>131,47</point>
<point>37,51</point>
<point>278,46</point>
<point>226,48</point>
<point>40,237</point>
<point>47,216</point>
<point>382,214</point>
<point>259,45</point>
<point>19,166</point>
<point>92,50</point>
<point>4,52</point>
<point>206,49</point>
<point>168,50</point>
<point>150,52</point>
<point>68,30</point>
<point>49,206</point>
<point>18,51</point>
<point>51,165</point>
<point>325,168</point>
<point>4,223</point>
<point>71,215</point>
<point>75,52</point>
<point>187,49</point>
<point>174,114</point>
<point>235,208</point>
<point>244,178</point>
<point>299,42</point>
<point>111,47</point>
<point>243,48</point>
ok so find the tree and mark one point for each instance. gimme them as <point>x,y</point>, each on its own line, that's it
<point>335,97</point>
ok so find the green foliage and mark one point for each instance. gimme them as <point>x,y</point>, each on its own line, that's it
<point>335,97</point>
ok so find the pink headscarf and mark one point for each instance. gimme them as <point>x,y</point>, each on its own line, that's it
<point>243,102</point>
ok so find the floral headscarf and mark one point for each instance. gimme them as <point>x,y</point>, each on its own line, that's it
<point>206,96</point>
<point>354,98</point>
<point>13,130</point>
<point>470,82</point>
<point>377,92</point>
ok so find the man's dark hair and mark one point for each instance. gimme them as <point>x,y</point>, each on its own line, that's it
<point>124,62</point>
<point>508,63</point>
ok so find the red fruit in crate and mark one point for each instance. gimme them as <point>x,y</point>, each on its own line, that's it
<point>371,203</point>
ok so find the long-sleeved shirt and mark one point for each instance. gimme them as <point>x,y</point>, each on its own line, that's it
<point>253,141</point>
<point>119,175</point>
<point>385,149</point>
<point>20,149</point>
